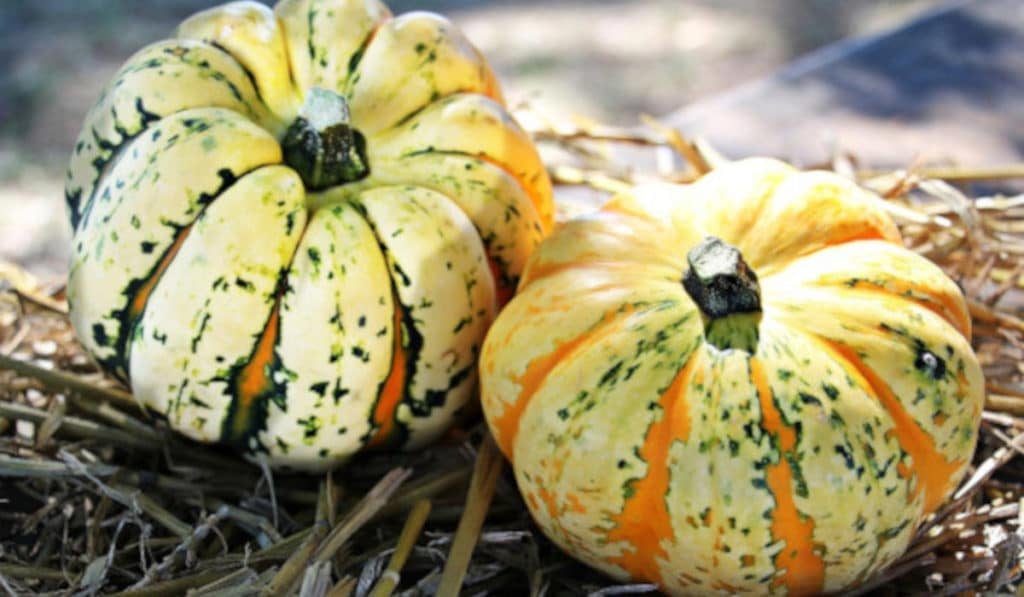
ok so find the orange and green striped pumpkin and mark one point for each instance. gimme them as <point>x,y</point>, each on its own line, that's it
<point>293,226</point>
<point>746,384</point>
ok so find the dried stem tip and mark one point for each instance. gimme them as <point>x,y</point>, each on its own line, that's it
<point>726,291</point>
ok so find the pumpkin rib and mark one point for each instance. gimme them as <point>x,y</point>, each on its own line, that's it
<point>210,321</point>
<point>425,40</point>
<point>498,267</point>
<point>506,425</point>
<point>434,380</point>
<point>357,58</point>
<point>804,569</point>
<point>721,177</point>
<point>644,521</point>
<point>948,309</point>
<point>333,319</point>
<point>930,467</point>
<point>227,177</point>
<point>98,151</point>
<point>504,239</point>
<point>245,69</point>
<point>255,384</point>
<point>138,290</point>
<point>811,211</point>
<point>837,427</point>
<point>630,246</point>
<point>777,265</point>
<point>318,37</point>
<point>535,196</point>
<point>253,115</point>
<point>393,389</point>
<point>251,33</point>
<point>474,126</point>
<point>136,306</point>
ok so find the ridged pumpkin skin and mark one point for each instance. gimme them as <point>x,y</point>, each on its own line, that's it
<point>801,466</point>
<point>300,320</point>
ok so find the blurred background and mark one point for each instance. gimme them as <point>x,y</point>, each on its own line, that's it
<point>600,59</point>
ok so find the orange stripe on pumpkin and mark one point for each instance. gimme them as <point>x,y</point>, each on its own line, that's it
<point>253,380</point>
<point>138,304</point>
<point>506,426</point>
<point>393,390</point>
<point>931,467</point>
<point>855,235</point>
<point>804,569</point>
<point>644,521</point>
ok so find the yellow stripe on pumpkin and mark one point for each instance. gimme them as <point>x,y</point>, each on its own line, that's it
<point>932,469</point>
<point>506,426</point>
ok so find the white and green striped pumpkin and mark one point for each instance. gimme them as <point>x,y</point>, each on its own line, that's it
<point>744,385</point>
<point>293,227</point>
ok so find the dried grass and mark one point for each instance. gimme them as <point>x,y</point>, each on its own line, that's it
<point>96,497</point>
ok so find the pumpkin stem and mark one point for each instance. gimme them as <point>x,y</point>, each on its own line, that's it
<point>321,144</point>
<point>726,291</point>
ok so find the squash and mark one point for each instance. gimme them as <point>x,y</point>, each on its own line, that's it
<point>292,227</point>
<point>746,384</point>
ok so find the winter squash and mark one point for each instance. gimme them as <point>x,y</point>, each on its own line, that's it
<point>744,384</point>
<point>292,227</point>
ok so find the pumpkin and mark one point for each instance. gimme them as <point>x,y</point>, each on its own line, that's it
<point>292,227</point>
<point>746,384</point>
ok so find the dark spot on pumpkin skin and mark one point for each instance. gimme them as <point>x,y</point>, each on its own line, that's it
<point>99,334</point>
<point>748,430</point>
<point>338,392</point>
<point>310,425</point>
<point>734,448</point>
<point>319,388</point>
<point>201,331</point>
<point>609,376</point>
<point>195,401</point>
<point>930,364</point>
